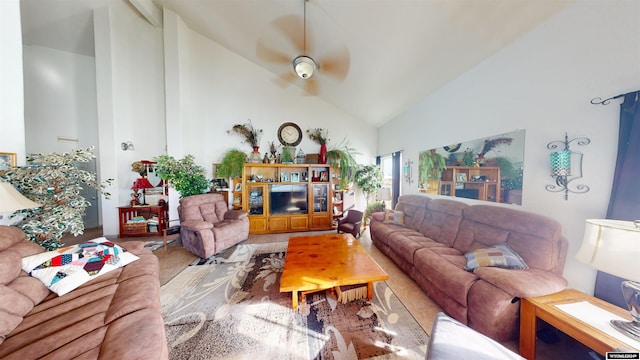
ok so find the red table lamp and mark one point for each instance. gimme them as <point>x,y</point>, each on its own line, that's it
<point>142,184</point>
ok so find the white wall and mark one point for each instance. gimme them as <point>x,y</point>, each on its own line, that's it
<point>218,88</point>
<point>12,128</point>
<point>542,83</point>
<point>130,92</point>
<point>60,100</point>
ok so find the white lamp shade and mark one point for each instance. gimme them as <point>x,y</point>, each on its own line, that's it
<point>12,200</point>
<point>612,246</point>
<point>383,194</point>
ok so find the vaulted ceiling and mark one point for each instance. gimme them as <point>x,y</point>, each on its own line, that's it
<point>392,53</point>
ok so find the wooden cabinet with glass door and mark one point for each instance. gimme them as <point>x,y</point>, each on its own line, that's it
<point>287,197</point>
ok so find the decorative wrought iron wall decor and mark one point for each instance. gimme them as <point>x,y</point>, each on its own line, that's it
<point>406,171</point>
<point>566,166</point>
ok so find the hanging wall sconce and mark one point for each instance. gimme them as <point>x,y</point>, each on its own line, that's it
<point>406,171</point>
<point>566,166</point>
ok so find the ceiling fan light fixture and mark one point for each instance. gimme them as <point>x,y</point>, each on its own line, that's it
<point>304,66</point>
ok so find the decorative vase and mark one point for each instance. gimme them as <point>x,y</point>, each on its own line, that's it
<point>255,157</point>
<point>323,154</point>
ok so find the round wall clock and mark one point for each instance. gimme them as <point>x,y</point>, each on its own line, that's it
<point>289,134</point>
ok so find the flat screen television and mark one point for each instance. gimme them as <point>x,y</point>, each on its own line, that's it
<point>288,199</point>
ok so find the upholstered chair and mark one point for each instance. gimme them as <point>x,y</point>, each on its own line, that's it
<point>351,223</point>
<point>207,226</point>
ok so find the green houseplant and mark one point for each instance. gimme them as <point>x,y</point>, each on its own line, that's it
<point>184,175</point>
<point>343,158</point>
<point>232,164</point>
<point>431,165</point>
<point>368,178</point>
<point>55,181</point>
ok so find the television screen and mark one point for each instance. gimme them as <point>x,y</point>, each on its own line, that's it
<point>288,199</point>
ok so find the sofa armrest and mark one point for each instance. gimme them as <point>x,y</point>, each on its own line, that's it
<point>196,225</point>
<point>522,283</point>
<point>235,214</point>
<point>377,216</point>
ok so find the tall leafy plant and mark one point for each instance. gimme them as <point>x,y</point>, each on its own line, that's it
<point>368,179</point>
<point>343,157</point>
<point>184,175</point>
<point>431,165</point>
<point>54,181</point>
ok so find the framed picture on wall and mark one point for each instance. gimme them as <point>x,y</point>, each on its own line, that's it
<point>284,176</point>
<point>7,160</point>
<point>295,177</point>
<point>461,177</point>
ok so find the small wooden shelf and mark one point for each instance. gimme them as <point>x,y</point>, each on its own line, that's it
<point>142,228</point>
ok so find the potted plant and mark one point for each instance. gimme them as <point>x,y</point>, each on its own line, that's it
<point>468,158</point>
<point>251,136</point>
<point>184,175</point>
<point>288,154</point>
<point>320,136</point>
<point>431,165</point>
<point>54,181</point>
<point>368,178</point>
<point>232,164</point>
<point>343,159</point>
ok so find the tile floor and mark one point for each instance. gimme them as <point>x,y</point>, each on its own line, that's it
<point>176,258</point>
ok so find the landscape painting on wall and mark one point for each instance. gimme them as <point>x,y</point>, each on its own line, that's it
<point>488,169</point>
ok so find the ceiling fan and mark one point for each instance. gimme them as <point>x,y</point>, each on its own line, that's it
<point>302,66</point>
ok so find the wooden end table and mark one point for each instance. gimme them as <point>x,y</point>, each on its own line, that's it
<point>543,308</point>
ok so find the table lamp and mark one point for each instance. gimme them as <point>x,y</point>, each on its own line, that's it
<point>613,246</point>
<point>142,184</point>
<point>12,200</point>
<point>384,195</point>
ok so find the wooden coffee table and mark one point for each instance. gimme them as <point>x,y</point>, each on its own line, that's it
<point>320,262</point>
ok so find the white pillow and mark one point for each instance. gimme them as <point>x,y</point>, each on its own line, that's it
<point>67,268</point>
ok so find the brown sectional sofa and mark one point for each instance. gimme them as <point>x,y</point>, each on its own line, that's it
<point>115,316</point>
<point>430,248</point>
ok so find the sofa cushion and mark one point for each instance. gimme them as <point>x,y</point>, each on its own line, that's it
<point>448,276</point>
<point>522,283</point>
<point>393,217</point>
<point>442,220</point>
<point>484,226</point>
<point>501,256</point>
<point>414,208</point>
<point>65,269</point>
<point>380,232</point>
<point>9,236</point>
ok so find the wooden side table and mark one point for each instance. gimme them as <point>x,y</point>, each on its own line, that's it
<point>543,308</point>
<point>126,213</point>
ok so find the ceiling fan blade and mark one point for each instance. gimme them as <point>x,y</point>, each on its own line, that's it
<point>336,64</point>
<point>292,28</point>
<point>311,87</point>
<point>284,80</point>
<point>266,53</point>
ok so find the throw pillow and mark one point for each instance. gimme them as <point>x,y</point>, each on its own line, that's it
<point>67,268</point>
<point>501,256</point>
<point>393,217</point>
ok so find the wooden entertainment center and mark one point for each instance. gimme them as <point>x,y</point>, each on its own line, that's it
<point>288,197</point>
<point>474,182</point>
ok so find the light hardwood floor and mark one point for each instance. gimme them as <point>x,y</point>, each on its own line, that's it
<point>176,258</point>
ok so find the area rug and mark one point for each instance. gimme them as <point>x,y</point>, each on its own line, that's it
<point>155,245</point>
<point>232,309</point>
